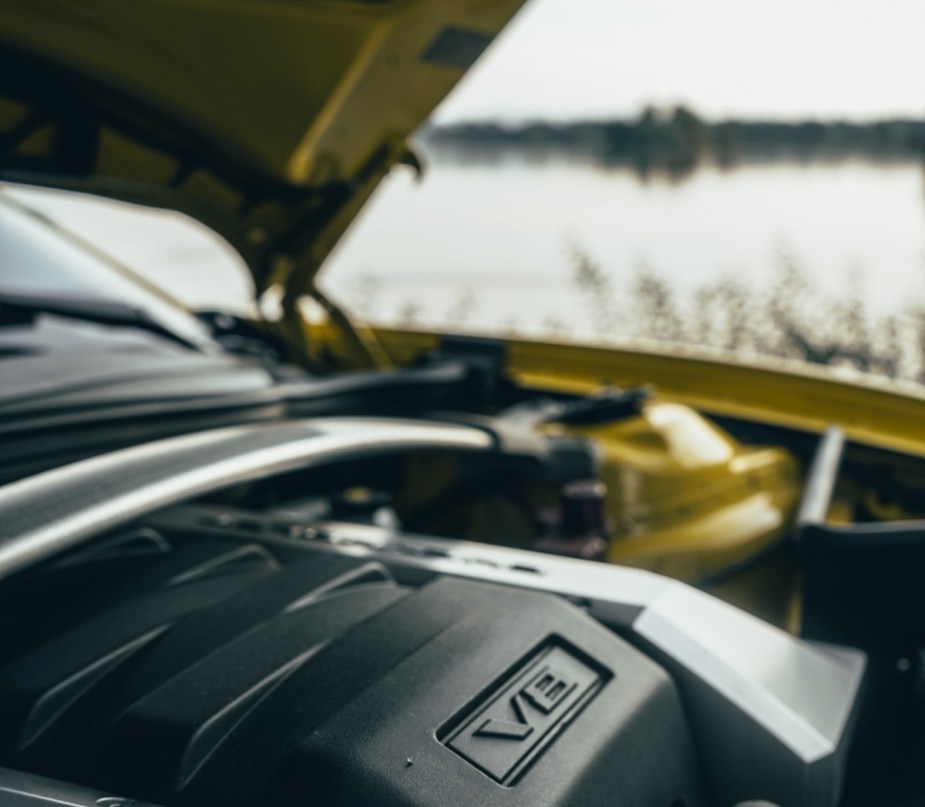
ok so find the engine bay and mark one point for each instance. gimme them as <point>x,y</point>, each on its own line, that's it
<point>297,613</point>
<point>540,598</point>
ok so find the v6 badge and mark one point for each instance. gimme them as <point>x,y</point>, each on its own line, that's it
<point>524,713</point>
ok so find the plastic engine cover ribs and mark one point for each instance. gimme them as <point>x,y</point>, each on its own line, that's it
<point>200,672</point>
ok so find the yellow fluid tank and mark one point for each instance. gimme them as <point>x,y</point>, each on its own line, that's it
<point>686,499</point>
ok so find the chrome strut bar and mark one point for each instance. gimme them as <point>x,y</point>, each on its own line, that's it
<point>52,511</point>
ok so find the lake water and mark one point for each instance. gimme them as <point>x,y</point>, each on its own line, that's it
<point>492,244</point>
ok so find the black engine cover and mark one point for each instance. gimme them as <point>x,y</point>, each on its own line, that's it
<point>198,672</point>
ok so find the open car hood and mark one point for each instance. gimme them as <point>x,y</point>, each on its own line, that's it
<point>270,121</point>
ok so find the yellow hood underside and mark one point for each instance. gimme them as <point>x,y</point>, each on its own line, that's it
<point>270,120</point>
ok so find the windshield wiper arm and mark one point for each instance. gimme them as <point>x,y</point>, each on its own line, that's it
<point>19,307</point>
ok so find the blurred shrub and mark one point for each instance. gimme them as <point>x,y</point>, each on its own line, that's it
<point>790,319</point>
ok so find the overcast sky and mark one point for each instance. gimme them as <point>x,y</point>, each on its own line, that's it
<point>778,58</point>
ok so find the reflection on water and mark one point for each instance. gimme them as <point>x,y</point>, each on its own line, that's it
<point>674,143</point>
<point>506,232</point>
<point>502,246</point>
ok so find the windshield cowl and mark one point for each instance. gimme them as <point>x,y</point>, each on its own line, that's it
<point>45,271</point>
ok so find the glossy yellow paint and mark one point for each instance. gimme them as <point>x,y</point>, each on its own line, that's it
<point>238,112</point>
<point>872,411</point>
<point>686,499</point>
<point>305,92</point>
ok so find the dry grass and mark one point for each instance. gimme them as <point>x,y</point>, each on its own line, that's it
<point>788,319</point>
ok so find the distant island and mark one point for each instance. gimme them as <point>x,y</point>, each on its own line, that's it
<point>676,141</point>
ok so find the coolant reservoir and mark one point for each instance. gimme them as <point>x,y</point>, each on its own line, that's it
<point>686,499</point>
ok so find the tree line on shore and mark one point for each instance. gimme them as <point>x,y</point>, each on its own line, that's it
<point>676,141</point>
